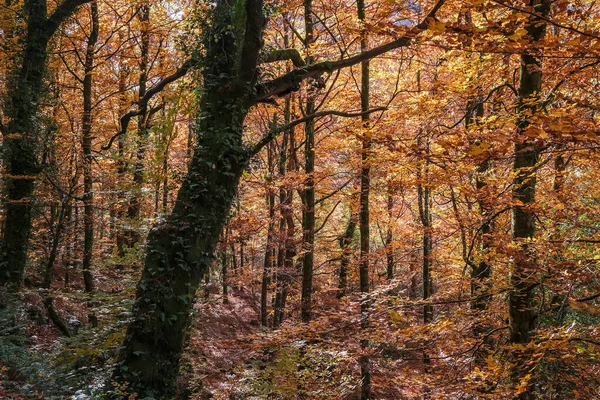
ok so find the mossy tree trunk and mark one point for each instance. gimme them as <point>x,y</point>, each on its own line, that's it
<point>22,134</point>
<point>180,249</point>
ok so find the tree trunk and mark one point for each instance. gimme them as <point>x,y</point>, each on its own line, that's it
<point>287,249</point>
<point>86,144</point>
<point>180,249</point>
<point>135,205</point>
<point>424,200</point>
<point>524,277</point>
<point>364,220</point>
<point>389,251</point>
<point>308,195</point>
<point>522,318</point>
<point>269,248</point>
<point>480,271</point>
<point>287,231</point>
<point>346,247</point>
<point>121,163</point>
<point>21,137</point>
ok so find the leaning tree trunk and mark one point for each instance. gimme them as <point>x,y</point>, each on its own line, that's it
<point>180,249</point>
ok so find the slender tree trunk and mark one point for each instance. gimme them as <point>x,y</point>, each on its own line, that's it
<point>135,205</point>
<point>524,275</point>
<point>180,249</point>
<point>364,220</point>
<point>287,249</point>
<point>269,248</point>
<point>308,196</point>
<point>480,271</point>
<point>389,251</point>
<point>424,200</point>
<point>287,232</point>
<point>86,144</point>
<point>121,164</point>
<point>346,247</point>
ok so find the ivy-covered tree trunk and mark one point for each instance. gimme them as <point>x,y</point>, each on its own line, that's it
<point>180,249</point>
<point>22,133</point>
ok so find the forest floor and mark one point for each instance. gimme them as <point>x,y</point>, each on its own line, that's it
<point>221,344</point>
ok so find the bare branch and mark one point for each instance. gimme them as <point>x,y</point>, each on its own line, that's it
<point>143,102</point>
<point>291,81</point>
<point>275,132</point>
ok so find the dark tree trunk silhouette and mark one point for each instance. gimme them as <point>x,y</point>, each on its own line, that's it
<point>86,144</point>
<point>22,135</point>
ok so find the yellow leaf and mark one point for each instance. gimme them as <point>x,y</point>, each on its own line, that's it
<point>519,33</point>
<point>437,26</point>
<point>477,149</point>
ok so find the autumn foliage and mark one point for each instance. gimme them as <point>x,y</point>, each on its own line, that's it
<point>390,200</point>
